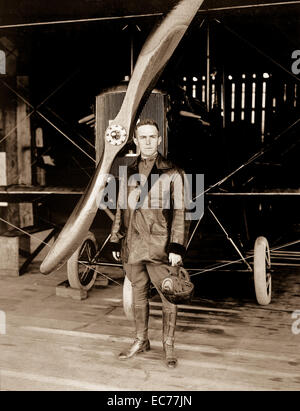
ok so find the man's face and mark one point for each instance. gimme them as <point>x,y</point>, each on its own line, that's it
<point>147,140</point>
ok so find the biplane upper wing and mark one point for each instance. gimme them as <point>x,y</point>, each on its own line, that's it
<point>154,55</point>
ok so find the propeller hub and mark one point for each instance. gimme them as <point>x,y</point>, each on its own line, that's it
<point>115,135</point>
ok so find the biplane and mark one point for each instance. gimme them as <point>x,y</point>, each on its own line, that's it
<point>202,107</point>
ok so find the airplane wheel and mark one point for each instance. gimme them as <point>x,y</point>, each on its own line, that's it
<point>128,298</point>
<point>81,272</point>
<point>262,278</point>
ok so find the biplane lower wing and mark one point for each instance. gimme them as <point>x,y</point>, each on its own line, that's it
<point>272,192</point>
<point>23,194</point>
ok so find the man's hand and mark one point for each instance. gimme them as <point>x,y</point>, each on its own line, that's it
<point>116,255</point>
<point>175,259</point>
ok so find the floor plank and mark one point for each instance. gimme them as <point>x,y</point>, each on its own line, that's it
<point>223,342</point>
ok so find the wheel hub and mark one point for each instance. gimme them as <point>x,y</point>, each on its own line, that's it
<point>115,135</point>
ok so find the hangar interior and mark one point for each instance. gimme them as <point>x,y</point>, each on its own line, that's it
<point>228,107</point>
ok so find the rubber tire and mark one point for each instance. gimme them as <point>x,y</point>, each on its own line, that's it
<point>73,269</point>
<point>128,299</point>
<point>262,279</point>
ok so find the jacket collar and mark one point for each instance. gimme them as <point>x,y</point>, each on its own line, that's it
<point>161,163</point>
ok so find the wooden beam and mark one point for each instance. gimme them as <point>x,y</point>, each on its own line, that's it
<point>24,150</point>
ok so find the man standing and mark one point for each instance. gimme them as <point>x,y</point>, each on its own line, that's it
<point>150,232</point>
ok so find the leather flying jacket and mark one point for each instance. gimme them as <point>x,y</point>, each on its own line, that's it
<point>148,231</point>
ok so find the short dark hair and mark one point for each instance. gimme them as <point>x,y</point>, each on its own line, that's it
<point>145,122</point>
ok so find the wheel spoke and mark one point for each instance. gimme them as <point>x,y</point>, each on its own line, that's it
<point>84,273</point>
<point>88,250</point>
<point>85,276</point>
<point>268,258</point>
<point>83,249</point>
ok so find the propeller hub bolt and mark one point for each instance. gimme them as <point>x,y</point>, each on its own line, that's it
<point>115,135</point>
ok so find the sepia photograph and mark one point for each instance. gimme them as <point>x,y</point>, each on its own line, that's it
<point>149,198</point>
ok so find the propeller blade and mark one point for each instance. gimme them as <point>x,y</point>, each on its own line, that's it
<point>153,57</point>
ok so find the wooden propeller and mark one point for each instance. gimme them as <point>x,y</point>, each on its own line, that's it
<point>153,57</point>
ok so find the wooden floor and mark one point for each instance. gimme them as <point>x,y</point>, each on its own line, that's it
<point>224,341</point>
